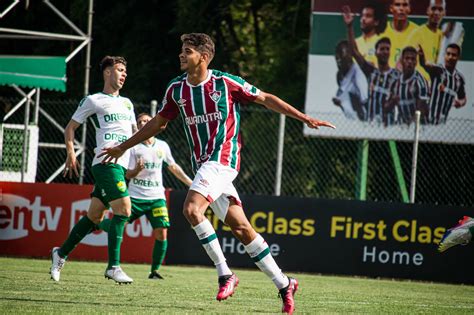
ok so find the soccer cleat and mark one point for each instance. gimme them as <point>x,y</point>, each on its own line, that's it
<point>227,285</point>
<point>287,295</point>
<point>155,275</point>
<point>57,264</point>
<point>118,275</point>
<point>459,234</point>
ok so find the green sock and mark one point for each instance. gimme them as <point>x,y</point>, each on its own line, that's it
<point>115,236</point>
<point>78,232</point>
<point>159,253</point>
<point>104,225</point>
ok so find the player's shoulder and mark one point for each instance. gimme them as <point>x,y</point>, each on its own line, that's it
<point>92,99</point>
<point>177,79</point>
<point>217,74</point>
<point>412,26</point>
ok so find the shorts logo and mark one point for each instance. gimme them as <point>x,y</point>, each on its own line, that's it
<point>203,182</point>
<point>160,212</point>
<point>121,186</point>
<point>215,96</point>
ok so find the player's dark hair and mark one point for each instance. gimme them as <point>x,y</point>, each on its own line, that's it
<point>409,49</point>
<point>201,42</point>
<point>342,44</point>
<point>143,114</point>
<point>380,14</point>
<point>383,40</point>
<point>110,61</point>
<point>455,46</point>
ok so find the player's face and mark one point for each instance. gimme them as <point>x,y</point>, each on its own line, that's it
<point>451,57</point>
<point>367,20</point>
<point>383,53</point>
<point>400,9</point>
<point>142,121</point>
<point>409,62</point>
<point>435,13</point>
<point>115,76</point>
<point>189,58</point>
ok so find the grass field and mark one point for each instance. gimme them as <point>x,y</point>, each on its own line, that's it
<point>25,287</point>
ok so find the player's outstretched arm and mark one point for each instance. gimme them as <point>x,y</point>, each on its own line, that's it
<point>431,69</point>
<point>156,125</point>
<point>276,104</point>
<point>71,167</point>
<point>178,172</point>
<point>348,18</point>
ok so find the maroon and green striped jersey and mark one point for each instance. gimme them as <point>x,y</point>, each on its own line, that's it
<point>211,115</point>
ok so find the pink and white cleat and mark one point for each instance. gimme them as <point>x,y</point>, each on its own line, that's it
<point>459,234</point>
<point>227,285</point>
<point>287,295</point>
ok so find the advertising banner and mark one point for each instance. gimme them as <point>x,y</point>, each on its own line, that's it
<point>388,240</point>
<point>373,98</point>
<point>34,218</point>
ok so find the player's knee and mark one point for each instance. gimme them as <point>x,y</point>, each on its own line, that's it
<point>192,213</point>
<point>160,234</point>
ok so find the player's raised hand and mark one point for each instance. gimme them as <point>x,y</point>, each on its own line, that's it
<point>314,123</point>
<point>347,15</point>
<point>71,167</point>
<point>111,155</point>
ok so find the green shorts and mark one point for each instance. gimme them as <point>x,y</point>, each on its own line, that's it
<point>155,210</point>
<point>109,182</point>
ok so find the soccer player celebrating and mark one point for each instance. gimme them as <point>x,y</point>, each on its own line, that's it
<point>114,121</point>
<point>429,35</point>
<point>208,102</point>
<point>380,78</point>
<point>373,22</point>
<point>410,92</point>
<point>400,29</point>
<point>351,95</point>
<point>147,191</point>
<point>447,84</point>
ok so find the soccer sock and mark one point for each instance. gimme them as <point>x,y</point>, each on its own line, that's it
<point>260,253</point>
<point>159,252</point>
<point>115,236</point>
<point>207,235</point>
<point>83,227</point>
<point>104,225</point>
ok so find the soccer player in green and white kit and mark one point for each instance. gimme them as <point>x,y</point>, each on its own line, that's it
<point>114,121</point>
<point>208,102</point>
<point>147,192</point>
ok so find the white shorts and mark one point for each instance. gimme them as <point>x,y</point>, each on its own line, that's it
<point>214,181</point>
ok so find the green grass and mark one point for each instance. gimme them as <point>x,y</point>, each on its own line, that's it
<point>25,287</point>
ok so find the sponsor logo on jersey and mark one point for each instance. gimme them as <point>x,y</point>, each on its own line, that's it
<point>121,186</point>
<point>117,117</point>
<point>215,96</point>
<point>203,182</point>
<point>128,105</point>
<point>181,102</point>
<point>202,119</point>
<point>115,137</point>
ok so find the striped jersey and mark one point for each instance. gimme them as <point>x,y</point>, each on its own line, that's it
<point>210,112</point>
<point>112,117</point>
<point>409,91</point>
<point>380,84</point>
<point>446,87</point>
<point>148,184</point>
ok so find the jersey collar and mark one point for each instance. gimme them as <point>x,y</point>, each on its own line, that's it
<point>209,74</point>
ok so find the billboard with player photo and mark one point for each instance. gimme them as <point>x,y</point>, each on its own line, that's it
<point>373,63</point>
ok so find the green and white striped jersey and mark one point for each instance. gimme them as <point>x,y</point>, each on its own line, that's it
<point>211,115</point>
<point>112,117</point>
<point>148,184</point>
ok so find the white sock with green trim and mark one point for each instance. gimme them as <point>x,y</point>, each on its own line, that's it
<point>260,253</point>
<point>207,235</point>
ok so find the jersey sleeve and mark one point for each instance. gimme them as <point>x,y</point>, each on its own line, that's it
<point>241,90</point>
<point>169,108</point>
<point>168,156</point>
<point>422,88</point>
<point>85,109</point>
